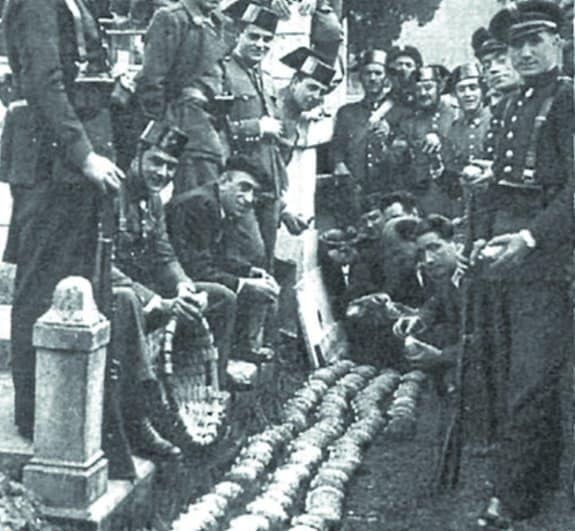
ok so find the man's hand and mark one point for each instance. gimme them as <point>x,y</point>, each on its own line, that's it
<point>431,144</point>
<point>513,250</point>
<point>188,292</point>
<point>341,170</point>
<point>271,127</point>
<point>408,325</point>
<point>265,287</point>
<point>282,8</point>
<point>295,223</point>
<point>477,175</point>
<point>423,356</point>
<point>102,172</point>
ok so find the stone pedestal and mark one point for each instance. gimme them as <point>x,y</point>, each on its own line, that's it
<point>68,469</point>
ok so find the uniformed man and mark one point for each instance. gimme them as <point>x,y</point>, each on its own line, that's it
<point>468,132</point>
<point>527,244</point>
<point>253,128</point>
<point>180,81</point>
<point>402,63</point>
<point>426,135</point>
<point>500,76</point>
<point>56,154</point>
<point>364,133</point>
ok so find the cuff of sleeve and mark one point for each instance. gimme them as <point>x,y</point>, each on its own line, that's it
<point>153,304</point>
<point>528,238</point>
<point>241,283</point>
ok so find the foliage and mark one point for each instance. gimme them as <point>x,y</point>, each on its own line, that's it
<point>377,23</point>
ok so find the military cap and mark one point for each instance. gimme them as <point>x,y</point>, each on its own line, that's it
<point>430,73</point>
<point>408,51</point>
<point>309,63</point>
<point>165,137</point>
<point>483,43</point>
<point>518,20</point>
<point>464,71</point>
<point>371,56</point>
<point>251,13</point>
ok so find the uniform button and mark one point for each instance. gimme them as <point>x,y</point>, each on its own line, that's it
<point>510,135</point>
<point>520,103</point>
<point>489,149</point>
<point>514,118</point>
<point>509,154</point>
<point>471,146</point>
<point>471,135</point>
<point>529,92</point>
<point>507,169</point>
<point>490,135</point>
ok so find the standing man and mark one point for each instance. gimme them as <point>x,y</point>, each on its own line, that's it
<point>364,132</point>
<point>526,248</point>
<point>500,76</point>
<point>253,128</point>
<point>180,82</point>
<point>469,130</point>
<point>402,63</point>
<point>56,149</point>
<point>426,135</point>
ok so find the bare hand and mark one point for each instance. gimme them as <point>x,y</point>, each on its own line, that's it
<point>477,175</point>
<point>271,127</point>
<point>102,172</point>
<point>281,7</point>
<point>188,292</point>
<point>431,144</point>
<point>408,325</point>
<point>295,223</point>
<point>514,250</point>
<point>422,355</point>
<point>266,287</point>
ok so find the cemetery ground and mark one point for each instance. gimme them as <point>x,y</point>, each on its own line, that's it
<point>390,491</point>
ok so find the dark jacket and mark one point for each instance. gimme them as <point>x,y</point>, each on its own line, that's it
<point>144,254</point>
<point>251,103</point>
<point>548,211</point>
<point>373,166</point>
<point>64,120</point>
<point>197,229</point>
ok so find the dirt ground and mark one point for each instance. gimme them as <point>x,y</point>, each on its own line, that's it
<point>391,491</point>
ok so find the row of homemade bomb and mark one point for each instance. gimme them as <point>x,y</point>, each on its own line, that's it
<point>270,509</point>
<point>325,499</point>
<point>402,410</point>
<point>211,509</point>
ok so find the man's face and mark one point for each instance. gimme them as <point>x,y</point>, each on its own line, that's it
<point>207,6</point>
<point>253,43</point>
<point>498,71</point>
<point>534,53</point>
<point>373,80</point>
<point>397,210</point>
<point>371,224</point>
<point>238,193</point>
<point>469,94</point>
<point>405,66</point>
<point>307,93</point>
<point>157,168</point>
<point>427,94</point>
<point>438,256</point>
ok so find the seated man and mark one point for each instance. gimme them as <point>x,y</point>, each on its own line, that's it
<point>434,335</point>
<point>201,223</point>
<point>146,265</point>
<point>368,322</point>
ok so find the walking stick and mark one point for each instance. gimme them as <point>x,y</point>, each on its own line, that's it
<point>449,463</point>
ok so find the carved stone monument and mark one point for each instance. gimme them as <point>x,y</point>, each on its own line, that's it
<point>68,469</point>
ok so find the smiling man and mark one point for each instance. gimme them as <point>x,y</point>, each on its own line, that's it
<point>203,224</point>
<point>529,244</point>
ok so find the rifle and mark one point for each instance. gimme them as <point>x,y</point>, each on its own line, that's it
<point>449,462</point>
<point>114,440</point>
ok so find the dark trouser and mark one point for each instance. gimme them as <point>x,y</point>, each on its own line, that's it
<point>58,240</point>
<point>268,216</point>
<point>534,323</point>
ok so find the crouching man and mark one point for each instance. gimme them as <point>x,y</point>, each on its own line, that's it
<point>202,224</point>
<point>150,286</point>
